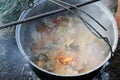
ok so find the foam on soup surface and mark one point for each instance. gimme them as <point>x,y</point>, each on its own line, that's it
<point>65,46</point>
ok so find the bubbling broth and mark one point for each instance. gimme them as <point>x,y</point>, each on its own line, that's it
<point>65,46</point>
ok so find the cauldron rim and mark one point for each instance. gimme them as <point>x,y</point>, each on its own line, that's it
<point>17,35</point>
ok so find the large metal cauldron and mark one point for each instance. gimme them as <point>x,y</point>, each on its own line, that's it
<point>97,10</point>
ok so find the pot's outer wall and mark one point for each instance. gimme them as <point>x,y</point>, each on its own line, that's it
<point>45,76</point>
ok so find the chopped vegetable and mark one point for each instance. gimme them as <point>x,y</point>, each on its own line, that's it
<point>40,63</point>
<point>59,20</point>
<point>64,60</point>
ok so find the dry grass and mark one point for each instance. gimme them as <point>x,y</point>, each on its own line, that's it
<point>10,10</point>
